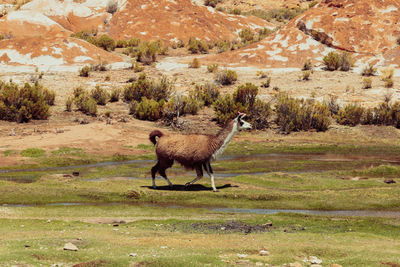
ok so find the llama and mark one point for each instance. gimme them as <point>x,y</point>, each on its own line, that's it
<point>193,151</point>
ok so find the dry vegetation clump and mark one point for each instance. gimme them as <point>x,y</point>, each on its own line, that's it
<point>334,61</point>
<point>280,15</point>
<point>212,68</point>
<point>244,99</point>
<point>226,77</point>
<point>369,70</point>
<point>196,46</point>
<point>305,76</point>
<point>100,95</point>
<point>195,64</point>
<point>351,115</point>
<point>22,104</point>
<point>387,77</point>
<point>115,93</point>
<point>212,3</point>
<point>104,41</point>
<point>84,102</point>
<point>112,6</point>
<point>366,83</point>
<point>84,72</point>
<point>301,115</point>
<point>307,65</point>
<point>208,93</point>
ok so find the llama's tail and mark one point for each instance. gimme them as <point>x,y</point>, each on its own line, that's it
<point>154,134</point>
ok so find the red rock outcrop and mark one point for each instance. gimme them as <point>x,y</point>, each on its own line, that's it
<point>365,28</point>
<point>173,20</point>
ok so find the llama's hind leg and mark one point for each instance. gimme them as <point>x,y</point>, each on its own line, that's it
<point>199,173</point>
<point>153,174</point>
<point>162,169</point>
<point>207,167</point>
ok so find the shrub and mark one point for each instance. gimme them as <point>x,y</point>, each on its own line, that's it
<point>306,75</point>
<point>246,35</point>
<point>149,89</point>
<point>179,106</point>
<point>346,62</point>
<point>121,44</point>
<point>112,6</point>
<point>147,52</point>
<point>261,74</point>
<point>195,63</point>
<point>367,83</point>
<point>212,3</point>
<point>350,115</point>
<point>196,46</point>
<point>100,95</point>
<point>246,94</point>
<point>332,104</point>
<point>106,42</point>
<point>21,104</point>
<point>260,114</point>
<point>208,93</point>
<point>389,83</point>
<point>236,11</point>
<point>266,83</point>
<point>369,70</point>
<point>88,36</point>
<point>307,65</point>
<point>49,95</point>
<point>226,77</point>
<point>107,78</point>
<point>332,61</point>
<point>68,104</point>
<point>133,42</point>
<point>78,91</point>
<point>86,104</point>
<point>212,68</point>
<point>148,109</point>
<point>225,109</point>
<point>387,73</point>
<point>114,97</point>
<point>84,72</point>
<point>301,115</point>
<point>398,40</point>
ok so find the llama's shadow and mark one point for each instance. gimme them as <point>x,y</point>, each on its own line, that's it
<point>194,187</point>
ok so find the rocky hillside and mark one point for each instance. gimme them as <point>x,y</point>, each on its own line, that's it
<point>175,20</point>
<point>368,29</point>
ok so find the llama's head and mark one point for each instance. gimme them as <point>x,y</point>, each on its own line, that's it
<point>242,124</point>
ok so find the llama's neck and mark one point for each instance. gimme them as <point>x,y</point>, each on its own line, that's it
<point>223,138</point>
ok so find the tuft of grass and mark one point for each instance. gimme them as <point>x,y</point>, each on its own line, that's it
<point>33,152</point>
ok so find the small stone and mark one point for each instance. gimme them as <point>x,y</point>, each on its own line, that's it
<point>314,260</point>
<point>27,245</point>
<point>335,265</point>
<point>133,254</point>
<point>115,224</point>
<point>163,247</point>
<point>295,264</point>
<point>67,175</point>
<point>70,246</point>
<point>316,265</point>
<point>12,132</point>
<point>241,256</point>
<point>223,228</point>
<point>76,173</point>
<point>259,263</point>
<point>389,181</point>
<point>48,221</point>
<point>264,252</point>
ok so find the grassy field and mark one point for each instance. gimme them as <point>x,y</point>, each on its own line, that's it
<point>116,212</point>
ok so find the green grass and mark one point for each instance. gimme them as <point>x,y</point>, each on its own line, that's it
<point>33,152</point>
<point>8,153</point>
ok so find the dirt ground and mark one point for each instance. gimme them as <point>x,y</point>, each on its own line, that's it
<point>122,133</point>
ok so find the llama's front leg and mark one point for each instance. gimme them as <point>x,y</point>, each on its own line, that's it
<point>199,173</point>
<point>207,167</point>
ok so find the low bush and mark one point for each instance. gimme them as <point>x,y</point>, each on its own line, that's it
<point>49,95</point>
<point>195,63</point>
<point>121,44</point>
<point>305,75</point>
<point>301,115</point>
<point>100,95</point>
<point>149,89</point>
<point>208,93</point>
<point>247,36</point>
<point>212,3</point>
<point>212,68</point>
<point>369,70</point>
<point>389,83</point>
<point>226,77</point>
<point>196,46</point>
<point>366,83</point>
<point>307,65</point>
<point>225,109</point>
<point>147,51</point>
<point>68,104</point>
<point>114,96</point>
<point>280,15</point>
<point>351,114</point>
<point>84,72</point>
<point>398,40</point>
<point>246,94</point>
<point>137,67</point>
<point>332,61</point>
<point>346,62</point>
<point>235,11</point>
<point>86,104</point>
<point>148,109</point>
<point>112,6</point>
<point>22,104</point>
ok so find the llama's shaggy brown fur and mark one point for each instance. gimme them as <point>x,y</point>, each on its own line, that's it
<point>193,151</point>
<point>189,150</point>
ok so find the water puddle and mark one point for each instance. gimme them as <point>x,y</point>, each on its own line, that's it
<point>345,213</point>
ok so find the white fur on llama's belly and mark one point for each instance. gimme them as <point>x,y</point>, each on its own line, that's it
<point>226,142</point>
